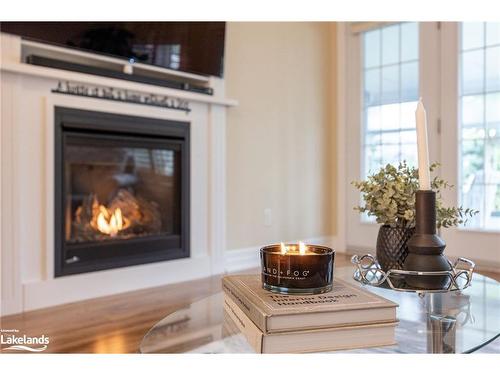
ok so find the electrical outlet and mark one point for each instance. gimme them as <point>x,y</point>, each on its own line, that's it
<point>268,217</point>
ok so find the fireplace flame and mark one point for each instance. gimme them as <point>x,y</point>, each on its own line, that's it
<point>108,221</point>
<point>109,225</point>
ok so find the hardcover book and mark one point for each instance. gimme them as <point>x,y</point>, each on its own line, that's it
<point>311,340</point>
<point>345,305</point>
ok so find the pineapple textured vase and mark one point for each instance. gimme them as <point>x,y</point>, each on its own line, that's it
<point>392,246</point>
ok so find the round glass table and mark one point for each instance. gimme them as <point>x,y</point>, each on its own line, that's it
<point>452,322</point>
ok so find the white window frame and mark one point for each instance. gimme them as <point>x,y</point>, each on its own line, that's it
<point>438,86</point>
<point>481,244</point>
<point>360,234</point>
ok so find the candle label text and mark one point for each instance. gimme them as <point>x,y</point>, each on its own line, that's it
<point>286,274</point>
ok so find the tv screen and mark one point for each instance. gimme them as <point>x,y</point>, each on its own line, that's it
<point>195,47</point>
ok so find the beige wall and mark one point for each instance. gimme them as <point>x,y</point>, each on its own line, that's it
<point>280,139</point>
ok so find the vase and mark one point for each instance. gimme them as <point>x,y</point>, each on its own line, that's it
<point>392,246</point>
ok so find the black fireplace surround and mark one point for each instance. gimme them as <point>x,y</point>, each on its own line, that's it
<point>121,190</point>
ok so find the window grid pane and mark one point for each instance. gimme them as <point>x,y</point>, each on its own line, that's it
<point>390,94</point>
<point>480,122</point>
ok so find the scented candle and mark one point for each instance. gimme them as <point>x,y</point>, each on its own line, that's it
<point>297,268</point>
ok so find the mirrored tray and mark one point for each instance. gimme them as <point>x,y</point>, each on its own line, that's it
<point>369,272</point>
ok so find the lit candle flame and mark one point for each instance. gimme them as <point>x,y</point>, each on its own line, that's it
<point>283,249</point>
<point>302,248</point>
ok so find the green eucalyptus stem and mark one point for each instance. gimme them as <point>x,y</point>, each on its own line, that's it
<point>389,196</point>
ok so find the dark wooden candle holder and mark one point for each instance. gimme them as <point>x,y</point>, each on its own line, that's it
<point>425,247</point>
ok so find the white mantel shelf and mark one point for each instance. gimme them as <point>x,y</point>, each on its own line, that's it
<point>75,77</point>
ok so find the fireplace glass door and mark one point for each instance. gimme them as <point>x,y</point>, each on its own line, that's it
<point>123,199</point>
<point>118,188</point>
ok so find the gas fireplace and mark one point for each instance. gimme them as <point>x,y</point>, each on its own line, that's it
<point>121,190</point>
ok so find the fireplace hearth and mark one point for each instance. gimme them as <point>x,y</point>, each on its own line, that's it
<point>121,190</point>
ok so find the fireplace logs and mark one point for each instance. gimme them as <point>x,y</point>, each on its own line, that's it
<point>127,215</point>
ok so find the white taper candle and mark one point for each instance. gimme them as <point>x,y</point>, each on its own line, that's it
<point>424,177</point>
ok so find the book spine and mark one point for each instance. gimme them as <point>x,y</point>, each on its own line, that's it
<point>253,335</point>
<point>245,304</point>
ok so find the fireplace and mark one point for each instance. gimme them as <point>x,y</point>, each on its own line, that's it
<point>121,190</point>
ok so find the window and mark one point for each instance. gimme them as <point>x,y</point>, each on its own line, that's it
<point>390,95</point>
<point>455,68</point>
<point>480,122</point>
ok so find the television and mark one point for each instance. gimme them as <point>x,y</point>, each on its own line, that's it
<point>194,47</point>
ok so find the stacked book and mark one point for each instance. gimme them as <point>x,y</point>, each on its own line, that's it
<point>348,317</point>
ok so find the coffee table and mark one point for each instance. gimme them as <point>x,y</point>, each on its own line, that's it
<point>452,322</point>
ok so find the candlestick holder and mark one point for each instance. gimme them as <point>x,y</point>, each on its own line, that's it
<point>425,247</point>
<point>291,272</point>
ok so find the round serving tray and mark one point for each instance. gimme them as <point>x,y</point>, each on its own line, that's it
<point>369,272</point>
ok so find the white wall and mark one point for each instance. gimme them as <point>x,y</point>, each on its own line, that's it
<point>281,152</point>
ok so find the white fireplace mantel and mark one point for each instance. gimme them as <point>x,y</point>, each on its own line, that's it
<point>27,184</point>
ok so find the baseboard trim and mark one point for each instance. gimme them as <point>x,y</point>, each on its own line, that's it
<point>76,288</point>
<point>246,258</point>
<point>241,259</point>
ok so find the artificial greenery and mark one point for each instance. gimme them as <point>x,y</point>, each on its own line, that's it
<point>389,195</point>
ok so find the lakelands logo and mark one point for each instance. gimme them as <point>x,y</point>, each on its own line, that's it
<point>11,340</point>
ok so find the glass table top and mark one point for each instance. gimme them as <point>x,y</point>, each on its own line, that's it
<point>452,322</point>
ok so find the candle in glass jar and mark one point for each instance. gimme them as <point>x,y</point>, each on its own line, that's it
<point>297,268</point>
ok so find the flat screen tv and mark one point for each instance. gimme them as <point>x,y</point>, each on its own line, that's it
<point>195,47</point>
